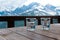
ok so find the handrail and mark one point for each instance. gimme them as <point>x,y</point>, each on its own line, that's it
<point>11,19</point>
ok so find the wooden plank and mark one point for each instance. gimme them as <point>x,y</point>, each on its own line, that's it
<point>54,31</point>
<point>55,28</point>
<point>2,38</point>
<point>5,31</point>
<point>38,34</point>
<point>9,35</point>
<point>14,36</point>
<point>31,35</point>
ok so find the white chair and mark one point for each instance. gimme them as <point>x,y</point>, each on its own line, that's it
<point>45,22</point>
<point>31,23</point>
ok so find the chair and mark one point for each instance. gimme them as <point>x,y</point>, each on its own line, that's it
<point>45,22</point>
<point>31,23</point>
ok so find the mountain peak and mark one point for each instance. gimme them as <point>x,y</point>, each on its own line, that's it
<point>49,7</point>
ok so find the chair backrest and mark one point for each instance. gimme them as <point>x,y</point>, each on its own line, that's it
<point>45,21</point>
<point>31,20</point>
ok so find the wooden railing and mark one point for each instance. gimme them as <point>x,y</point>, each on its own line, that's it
<point>11,19</point>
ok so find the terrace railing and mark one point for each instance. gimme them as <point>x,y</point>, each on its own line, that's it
<point>11,19</point>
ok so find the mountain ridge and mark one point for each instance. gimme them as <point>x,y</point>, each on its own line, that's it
<point>30,9</point>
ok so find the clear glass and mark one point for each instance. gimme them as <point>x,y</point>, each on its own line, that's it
<point>55,20</point>
<point>31,23</point>
<point>3,24</point>
<point>19,23</point>
<point>45,22</point>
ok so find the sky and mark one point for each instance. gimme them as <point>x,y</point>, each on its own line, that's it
<point>10,4</point>
<point>44,2</point>
<point>13,4</point>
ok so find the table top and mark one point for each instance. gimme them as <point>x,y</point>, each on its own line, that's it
<point>20,33</point>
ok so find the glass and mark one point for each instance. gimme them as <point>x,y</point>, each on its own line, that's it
<point>19,23</point>
<point>31,23</point>
<point>3,24</point>
<point>55,20</point>
<point>45,22</point>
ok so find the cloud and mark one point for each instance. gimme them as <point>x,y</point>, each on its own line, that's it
<point>13,4</point>
<point>44,2</point>
<point>10,4</point>
<point>52,2</point>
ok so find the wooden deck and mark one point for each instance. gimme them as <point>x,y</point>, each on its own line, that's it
<point>20,33</point>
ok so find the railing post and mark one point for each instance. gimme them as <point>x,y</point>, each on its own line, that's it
<point>25,22</point>
<point>39,21</point>
<point>58,20</point>
<point>51,20</point>
<point>10,23</point>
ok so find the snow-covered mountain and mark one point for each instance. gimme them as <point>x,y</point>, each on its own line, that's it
<point>33,9</point>
<point>41,10</point>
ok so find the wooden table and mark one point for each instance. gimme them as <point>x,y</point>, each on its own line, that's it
<point>20,33</point>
